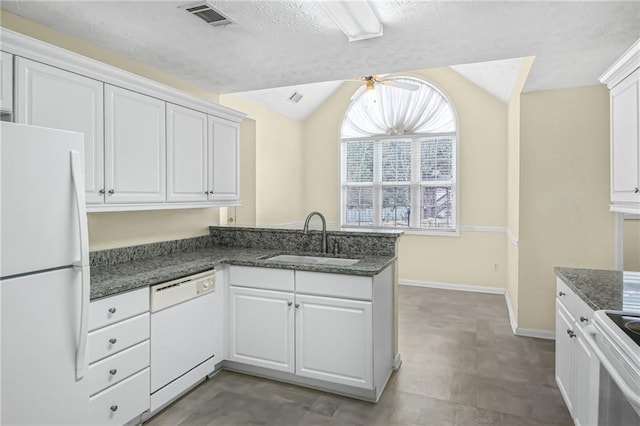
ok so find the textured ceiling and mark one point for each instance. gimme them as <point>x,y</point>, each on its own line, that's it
<point>278,43</point>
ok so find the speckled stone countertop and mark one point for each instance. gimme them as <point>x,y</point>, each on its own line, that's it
<point>111,279</point>
<point>602,289</point>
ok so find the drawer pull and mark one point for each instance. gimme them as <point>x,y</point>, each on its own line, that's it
<point>571,333</point>
<point>112,310</point>
<point>289,303</point>
<point>562,293</point>
<point>583,319</point>
<point>113,340</point>
<point>113,371</point>
<point>114,408</point>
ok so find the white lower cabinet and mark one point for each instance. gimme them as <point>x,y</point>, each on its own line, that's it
<point>577,367</point>
<point>334,340</point>
<point>118,354</point>
<point>261,328</point>
<point>320,334</point>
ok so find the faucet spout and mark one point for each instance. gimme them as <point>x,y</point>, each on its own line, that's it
<point>305,230</point>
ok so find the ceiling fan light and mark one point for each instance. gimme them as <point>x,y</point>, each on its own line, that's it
<point>356,18</point>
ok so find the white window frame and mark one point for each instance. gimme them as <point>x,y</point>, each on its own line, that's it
<point>415,185</point>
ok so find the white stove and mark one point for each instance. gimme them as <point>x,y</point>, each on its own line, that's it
<point>615,339</point>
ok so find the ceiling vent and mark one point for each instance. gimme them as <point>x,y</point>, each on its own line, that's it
<point>295,97</point>
<point>208,14</point>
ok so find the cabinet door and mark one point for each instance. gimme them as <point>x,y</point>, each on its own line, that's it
<point>564,355</point>
<point>134,147</point>
<point>186,155</point>
<point>261,326</point>
<point>6,82</point>
<point>224,160</point>
<point>50,97</point>
<point>625,145</point>
<point>586,373</point>
<point>334,340</point>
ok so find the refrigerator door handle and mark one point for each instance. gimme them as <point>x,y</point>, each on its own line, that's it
<point>83,263</point>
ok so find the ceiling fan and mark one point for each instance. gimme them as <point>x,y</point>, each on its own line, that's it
<point>370,82</point>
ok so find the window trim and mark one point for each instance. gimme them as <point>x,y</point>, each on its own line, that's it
<point>414,197</point>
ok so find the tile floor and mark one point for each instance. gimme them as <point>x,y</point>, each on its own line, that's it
<point>462,365</point>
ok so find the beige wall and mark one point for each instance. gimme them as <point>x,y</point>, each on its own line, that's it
<point>108,230</point>
<point>631,248</point>
<point>564,194</point>
<point>467,259</point>
<point>246,214</point>
<point>279,166</point>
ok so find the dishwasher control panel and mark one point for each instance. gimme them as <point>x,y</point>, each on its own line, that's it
<point>182,289</point>
<point>206,284</point>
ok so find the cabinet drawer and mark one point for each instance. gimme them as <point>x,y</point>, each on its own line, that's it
<point>122,402</point>
<point>565,295</point>
<point>264,278</point>
<point>114,338</point>
<point>112,309</point>
<point>335,285</point>
<point>582,313</point>
<point>118,367</point>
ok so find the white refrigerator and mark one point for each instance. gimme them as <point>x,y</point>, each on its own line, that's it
<point>44,277</point>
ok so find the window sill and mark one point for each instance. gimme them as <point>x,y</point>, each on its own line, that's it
<point>405,231</point>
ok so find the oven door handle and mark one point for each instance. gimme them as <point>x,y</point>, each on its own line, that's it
<point>587,333</point>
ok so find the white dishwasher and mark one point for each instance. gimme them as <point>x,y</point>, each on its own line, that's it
<point>186,342</point>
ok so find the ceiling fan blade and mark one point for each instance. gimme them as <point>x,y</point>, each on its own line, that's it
<point>400,84</point>
<point>358,93</point>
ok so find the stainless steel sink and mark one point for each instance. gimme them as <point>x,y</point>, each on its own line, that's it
<point>316,260</point>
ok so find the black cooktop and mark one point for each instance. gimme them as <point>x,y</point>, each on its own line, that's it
<point>628,323</point>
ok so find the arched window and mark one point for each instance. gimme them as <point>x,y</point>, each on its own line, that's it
<point>399,159</point>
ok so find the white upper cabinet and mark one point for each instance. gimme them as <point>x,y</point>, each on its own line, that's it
<point>51,97</point>
<point>147,146</point>
<point>224,158</point>
<point>187,163</point>
<point>623,79</point>
<point>6,82</point>
<point>134,148</point>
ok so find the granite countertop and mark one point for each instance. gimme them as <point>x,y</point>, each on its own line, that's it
<point>603,289</point>
<point>120,277</point>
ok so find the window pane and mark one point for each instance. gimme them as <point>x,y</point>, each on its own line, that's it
<point>359,161</point>
<point>396,205</point>
<point>359,205</point>
<point>436,207</point>
<point>396,161</point>
<point>436,159</point>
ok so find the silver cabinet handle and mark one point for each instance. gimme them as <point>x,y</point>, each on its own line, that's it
<point>113,340</point>
<point>637,190</point>
<point>112,310</point>
<point>562,293</point>
<point>114,408</point>
<point>111,192</point>
<point>113,371</point>
<point>297,305</point>
<point>571,333</point>
<point>101,192</point>
<point>289,303</point>
<point>583,319</point>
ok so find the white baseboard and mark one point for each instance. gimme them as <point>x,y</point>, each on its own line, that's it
<point>518,331</point>
<point>450,286</point>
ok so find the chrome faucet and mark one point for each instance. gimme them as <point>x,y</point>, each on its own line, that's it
<point>305,230</point>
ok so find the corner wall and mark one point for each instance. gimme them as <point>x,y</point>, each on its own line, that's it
<point>564,194</point>
<point>278,163</point>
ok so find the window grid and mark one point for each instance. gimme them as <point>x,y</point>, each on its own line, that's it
<point>427,188</point>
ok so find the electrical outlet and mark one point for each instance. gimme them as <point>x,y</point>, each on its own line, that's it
<point>496,266</point>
